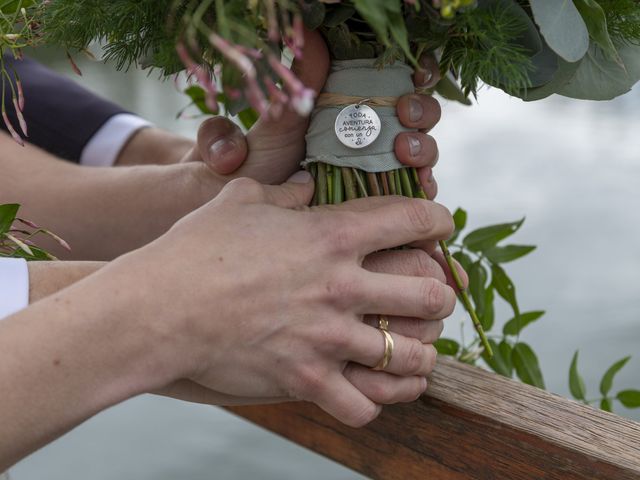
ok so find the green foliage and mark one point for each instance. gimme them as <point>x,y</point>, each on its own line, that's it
<point>482,255</point>
<point>607,379</point>
<point>526,364</point>
<point>16,236</point>
<point>576,382</point>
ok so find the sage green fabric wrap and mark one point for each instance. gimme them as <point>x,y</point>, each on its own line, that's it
<point>360,78</point>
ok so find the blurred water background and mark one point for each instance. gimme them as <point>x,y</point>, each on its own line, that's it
<point>571,167</point>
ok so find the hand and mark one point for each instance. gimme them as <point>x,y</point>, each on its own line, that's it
<point>288,306</point>
<point>381,389</point>
<point>273,149</point>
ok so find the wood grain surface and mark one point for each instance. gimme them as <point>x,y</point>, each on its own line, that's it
<point>471,424</point>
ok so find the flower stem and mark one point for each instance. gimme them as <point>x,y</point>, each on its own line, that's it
<point>464,296</point>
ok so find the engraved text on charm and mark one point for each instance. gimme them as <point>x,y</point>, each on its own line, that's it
<point>357,126</point>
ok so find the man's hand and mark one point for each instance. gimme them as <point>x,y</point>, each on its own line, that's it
<point>273,149</point>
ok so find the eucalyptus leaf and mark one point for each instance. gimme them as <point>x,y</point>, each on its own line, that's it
<point>515,325</point>
<point>505,288</point>
<point>508,253</point>
<point>487,237</point>
<point>629,398</point>
<point>313,14</point>
<point>447,346</point>
<point>562,27</point>
<point>448,88</point>
<point>596,21</point>
<point>498,363</point>
<point>607,379</point>
<point>8,213</point>
<point>600,78</point>
<point>576,382</point>
<point>338,15</point>
<point>526,365</point>
<point>562,76</point>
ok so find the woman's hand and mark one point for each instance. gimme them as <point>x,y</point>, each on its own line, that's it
<point>276,297</point>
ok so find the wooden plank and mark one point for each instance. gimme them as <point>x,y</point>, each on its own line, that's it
<point>471,424</point>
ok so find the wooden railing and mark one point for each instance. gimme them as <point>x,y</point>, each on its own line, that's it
<point>471,424</point>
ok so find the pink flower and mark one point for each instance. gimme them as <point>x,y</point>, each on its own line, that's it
<point>21,120</point>
<point>12,131</point>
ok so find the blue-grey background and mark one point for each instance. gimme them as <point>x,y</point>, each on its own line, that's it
<point>572,167</point>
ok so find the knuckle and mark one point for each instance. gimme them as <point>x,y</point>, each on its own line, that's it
<point>245,188</point>
<point>433,331</point>
<point>434,108</point>
<point>381,392</point>
<point>337,338</point>
<point>309,382</point>
<point>342,291</point>
<point>431,358</point>
<point>415,358</point>
<point>423,262</point>
<point>363,415</point>
<point>341,236</point>
<point>419,215</point>
<point>434,297</point>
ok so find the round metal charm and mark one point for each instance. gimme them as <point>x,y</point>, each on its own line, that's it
<point>357,126</point>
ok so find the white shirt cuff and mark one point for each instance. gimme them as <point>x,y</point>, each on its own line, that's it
<point>14,286</point>
<point>103,148</point>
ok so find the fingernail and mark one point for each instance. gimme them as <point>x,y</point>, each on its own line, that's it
<point>300,177</point>
<point>415,110</point>
<point>414,145</point>
<point>221,147</point>
<point>428,75</point>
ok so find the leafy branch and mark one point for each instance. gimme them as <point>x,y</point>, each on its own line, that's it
<point>482,254</point>
<point>17,236</point>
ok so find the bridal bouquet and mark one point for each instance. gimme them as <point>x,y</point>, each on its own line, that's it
<point>234,50</point>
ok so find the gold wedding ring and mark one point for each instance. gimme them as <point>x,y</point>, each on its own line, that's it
<point>388,344</point>
<point>383,323</point>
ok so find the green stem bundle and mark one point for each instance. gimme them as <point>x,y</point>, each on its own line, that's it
<point>337,184</point>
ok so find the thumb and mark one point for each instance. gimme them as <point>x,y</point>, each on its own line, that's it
<point>295,192</point>
<point>221,145</point>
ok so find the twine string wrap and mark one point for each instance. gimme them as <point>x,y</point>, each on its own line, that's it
<point>359,82</point>
<point>339,100</point>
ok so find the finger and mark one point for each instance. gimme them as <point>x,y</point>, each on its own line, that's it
<point>411,262</point>
<point>439,257</point>
<point>428,182</point>
<point>312,69</point>
<point>385,294</point>
<point>395,223</point>
<point>295,192</point>
<point>383,387</point>
<point>409,356</point>
<point>418,111</point>
<point>190,391</point>
<point>222,145</point>
<point>428,74</point>
<point>339,398</point>
<point>426,331</point>
<point>416,149</point>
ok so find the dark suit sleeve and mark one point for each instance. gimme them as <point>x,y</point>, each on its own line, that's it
<point>61,115</point>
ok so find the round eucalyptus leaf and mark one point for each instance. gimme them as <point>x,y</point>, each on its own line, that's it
<point>600,78</point>
<point>561,77</point>
<point>562,27</point>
